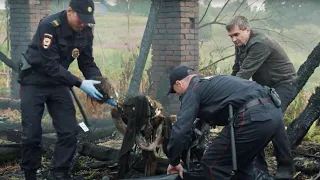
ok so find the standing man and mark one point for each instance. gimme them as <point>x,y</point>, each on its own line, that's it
<point>44,78</point>
<point>257,121</point>
<point>261,58</point>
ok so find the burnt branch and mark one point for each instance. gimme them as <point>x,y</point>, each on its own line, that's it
<point>308,67</point>
<point>8,62</point>
<point>301,125</point>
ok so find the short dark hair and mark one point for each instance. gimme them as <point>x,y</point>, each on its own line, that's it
<point>240,21</point>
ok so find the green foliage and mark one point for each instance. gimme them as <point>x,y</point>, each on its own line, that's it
<point>313,133</point>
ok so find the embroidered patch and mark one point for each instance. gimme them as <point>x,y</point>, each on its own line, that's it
<point>75,53</point>
<point>47,40</point>
<point>89,9</point>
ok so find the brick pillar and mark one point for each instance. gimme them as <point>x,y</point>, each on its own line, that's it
<point>24,18</point>
<point>175,42</point>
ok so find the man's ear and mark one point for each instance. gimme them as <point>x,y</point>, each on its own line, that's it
<point>178,82</point>
<point>248,30</point>
<point>69,10</point>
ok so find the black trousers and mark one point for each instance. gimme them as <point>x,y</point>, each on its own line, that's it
<point>282,151</point>
<point>61,108</point>
<point>254,129</point>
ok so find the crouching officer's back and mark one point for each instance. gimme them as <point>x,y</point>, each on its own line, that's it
<point>257,119</point>
<point>44,78</point>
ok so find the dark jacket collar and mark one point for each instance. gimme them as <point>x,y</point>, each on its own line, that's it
<point>66,30</point>
<point>194,80</point>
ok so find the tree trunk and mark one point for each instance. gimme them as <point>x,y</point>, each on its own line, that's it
<point>144,49</point>
<point>301,125</point>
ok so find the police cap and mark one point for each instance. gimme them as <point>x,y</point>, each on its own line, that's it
<point>178,74</point>
<point>84,9</point>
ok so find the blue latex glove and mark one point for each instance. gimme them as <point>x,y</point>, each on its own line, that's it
<point>88,87</point>
<point>112,102</point>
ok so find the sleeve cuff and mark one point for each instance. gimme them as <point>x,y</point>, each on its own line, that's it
<point>78,83</point>
<point>175,162</point>
<point>75,81</point>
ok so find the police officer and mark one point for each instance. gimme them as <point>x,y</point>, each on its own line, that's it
<point>44,78</point>
<point>262,58</point>
<point>257,121</point>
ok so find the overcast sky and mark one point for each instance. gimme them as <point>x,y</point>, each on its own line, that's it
<point>2,4</point>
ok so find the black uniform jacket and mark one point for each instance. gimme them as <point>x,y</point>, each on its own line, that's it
<point>53,48</point>
<point>208,99</point>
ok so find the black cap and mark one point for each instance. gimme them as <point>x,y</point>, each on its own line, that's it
<point>178,74</point>
<point>84,9</point>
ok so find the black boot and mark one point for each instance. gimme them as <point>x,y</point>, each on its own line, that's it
<point>30,175</point>
<point>58,175</point>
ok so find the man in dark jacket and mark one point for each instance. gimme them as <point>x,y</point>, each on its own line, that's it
<point>257,121</point>
<point>44,78</point>
<point>261,58</point>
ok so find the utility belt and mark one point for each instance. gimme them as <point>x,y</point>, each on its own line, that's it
<point>273,98</point>
<point>254,103</point>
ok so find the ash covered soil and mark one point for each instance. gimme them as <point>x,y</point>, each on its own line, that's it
<point>107,169</point>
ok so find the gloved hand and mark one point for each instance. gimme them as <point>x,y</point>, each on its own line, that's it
<point>112,102</point>
<point>88,87</point>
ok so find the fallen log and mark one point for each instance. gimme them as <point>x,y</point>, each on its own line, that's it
<point>10,151</point>
<point>11,131</point>
<point>6,103</point>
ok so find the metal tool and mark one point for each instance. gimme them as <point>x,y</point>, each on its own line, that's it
<point>233,145</point>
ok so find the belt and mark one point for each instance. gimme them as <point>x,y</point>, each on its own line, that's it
<point>254,103</point>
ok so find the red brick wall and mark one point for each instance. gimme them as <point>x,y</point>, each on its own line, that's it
<point>175,42</point>
<point>24,18</point>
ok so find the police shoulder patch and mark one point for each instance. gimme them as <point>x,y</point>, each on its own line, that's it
<point>47,40</point>
<point>56,22</point>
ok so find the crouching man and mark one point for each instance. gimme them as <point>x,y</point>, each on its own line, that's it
<point>256,121</point>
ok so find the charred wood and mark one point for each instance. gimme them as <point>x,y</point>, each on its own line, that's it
<point>301,125</point>
<point>6,103</point>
